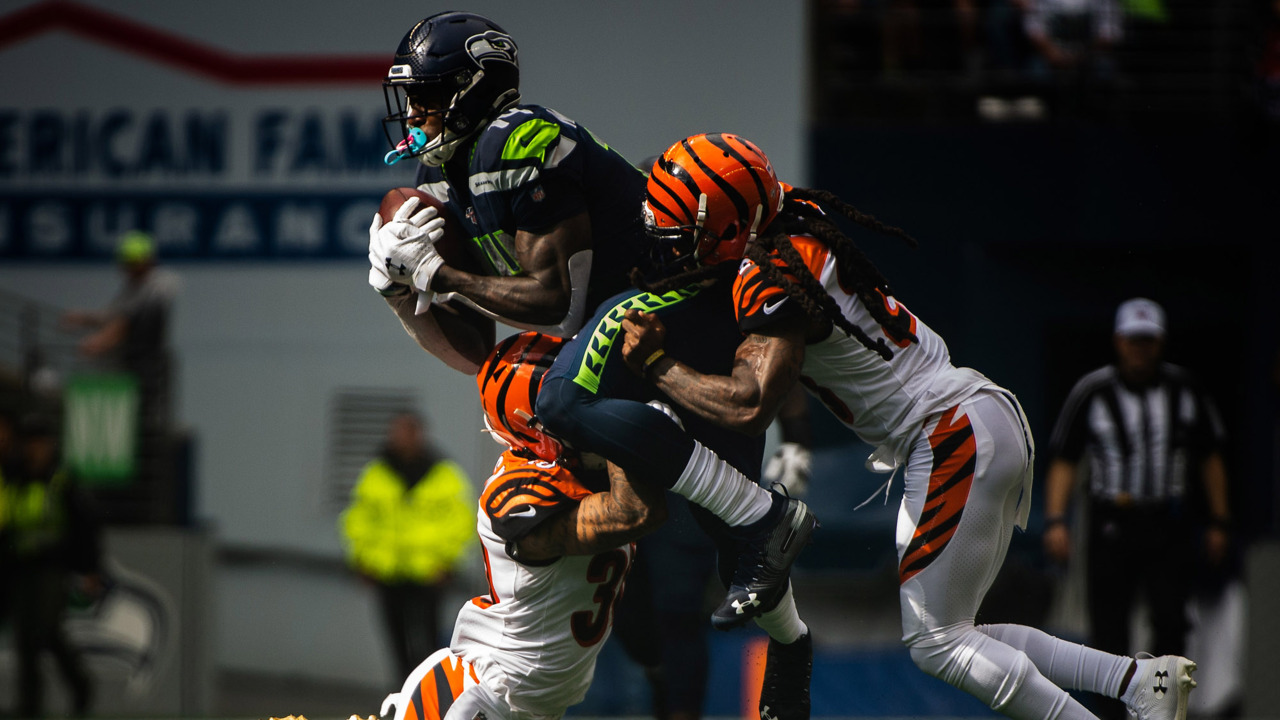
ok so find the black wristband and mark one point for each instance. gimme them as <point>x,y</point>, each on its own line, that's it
<point>1055,520</point>
<point>1220,523</point>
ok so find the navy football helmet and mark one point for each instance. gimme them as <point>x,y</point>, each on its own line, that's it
<point>460,64</point>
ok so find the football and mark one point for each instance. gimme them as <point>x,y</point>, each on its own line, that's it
<point>452,247</point>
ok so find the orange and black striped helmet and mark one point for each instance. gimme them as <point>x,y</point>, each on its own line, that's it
<point>708,196</point>
<point>508,382</point>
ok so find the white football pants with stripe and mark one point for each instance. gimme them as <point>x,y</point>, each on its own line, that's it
<point>964,482</point>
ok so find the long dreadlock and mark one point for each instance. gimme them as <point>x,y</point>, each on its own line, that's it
<point>696,274</point>
<point>855,270</point>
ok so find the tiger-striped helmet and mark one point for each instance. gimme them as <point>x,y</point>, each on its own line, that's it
<point>508,382</point>
<point>707,197</point>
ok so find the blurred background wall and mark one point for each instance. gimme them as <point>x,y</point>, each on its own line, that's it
<point>244,135</point>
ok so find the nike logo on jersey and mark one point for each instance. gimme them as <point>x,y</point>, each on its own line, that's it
<point>529,511</point>
<point>769,308</point>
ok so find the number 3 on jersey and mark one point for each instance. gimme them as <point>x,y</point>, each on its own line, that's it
<point>607,569</point>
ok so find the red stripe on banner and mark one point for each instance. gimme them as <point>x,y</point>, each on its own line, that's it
<point>133,37</point>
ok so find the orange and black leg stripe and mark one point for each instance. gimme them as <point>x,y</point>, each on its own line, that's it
<point>955,455</point>
<point>438,689</point>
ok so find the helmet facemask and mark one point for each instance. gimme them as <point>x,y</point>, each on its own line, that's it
<point>456,126</point>
<point>684,247</point>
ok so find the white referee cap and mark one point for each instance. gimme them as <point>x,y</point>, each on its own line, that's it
<point>1139,316</point>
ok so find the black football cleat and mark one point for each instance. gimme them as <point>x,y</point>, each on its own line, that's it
<point>784,695</point>
<point>764,565</point>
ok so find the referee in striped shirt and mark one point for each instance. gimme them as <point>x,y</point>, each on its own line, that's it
<point>1144,430</point>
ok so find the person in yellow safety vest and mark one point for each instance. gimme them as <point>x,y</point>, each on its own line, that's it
<point>411,518</point>
<point>8,448</point>
<point>51,539</point>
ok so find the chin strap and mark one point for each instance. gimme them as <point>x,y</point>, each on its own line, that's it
<point>702,212</point>
<point>700,229</point>
<point>755,224</point>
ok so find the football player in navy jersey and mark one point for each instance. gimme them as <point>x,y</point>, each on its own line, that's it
<point>553,214</point>
<point>591,400</point>
<point>549,208</point>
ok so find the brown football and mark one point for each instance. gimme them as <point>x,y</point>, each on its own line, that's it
<point>452,247</point>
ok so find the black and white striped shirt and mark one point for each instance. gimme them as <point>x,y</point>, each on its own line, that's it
<point>1141,441</point>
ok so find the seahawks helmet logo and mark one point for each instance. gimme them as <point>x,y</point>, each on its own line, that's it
<point>491,45</point>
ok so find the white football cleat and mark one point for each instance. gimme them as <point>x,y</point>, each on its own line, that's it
<point>1163,686</point>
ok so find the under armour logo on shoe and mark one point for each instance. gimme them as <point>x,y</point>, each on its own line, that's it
<point>1160,678</point>
<point>764,713</point>
<point>741,607</point>
<point>399,269</point>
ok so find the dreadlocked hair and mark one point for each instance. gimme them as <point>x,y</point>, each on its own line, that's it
<point>855,270</point>
<point>826,198</point>
<point>683,279</point>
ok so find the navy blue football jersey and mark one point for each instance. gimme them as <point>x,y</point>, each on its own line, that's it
<point>530,169</point>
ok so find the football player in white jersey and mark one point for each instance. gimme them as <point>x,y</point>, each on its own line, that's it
<point>815,310</point>
<point>557,546</point>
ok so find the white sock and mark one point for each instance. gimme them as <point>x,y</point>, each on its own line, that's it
<point>717,486</point>
<point>1066,664</point>
<point>783,622</point>
<point>1132,690</point>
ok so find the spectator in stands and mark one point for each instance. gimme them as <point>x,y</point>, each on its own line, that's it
<point>1267,70</point>
<point>1073,36</point>
<point>1148,434</point>
<point>131,335</point>
<point>51,544</point>
<point>411,519</point>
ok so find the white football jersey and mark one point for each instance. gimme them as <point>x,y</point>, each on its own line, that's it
<point>884,402</point>
<point>535,636</point>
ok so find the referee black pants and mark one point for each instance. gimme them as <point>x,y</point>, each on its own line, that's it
<point>1139,552</point>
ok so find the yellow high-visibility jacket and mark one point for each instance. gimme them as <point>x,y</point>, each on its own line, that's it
<point>394,534</point>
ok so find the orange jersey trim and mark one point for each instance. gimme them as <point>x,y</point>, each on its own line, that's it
<point>522,483</point>
<point>752,289</point>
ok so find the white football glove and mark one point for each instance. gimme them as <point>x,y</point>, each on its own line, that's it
<point>404,249</point>
<point>379,281</point>
<point>790,467</point>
